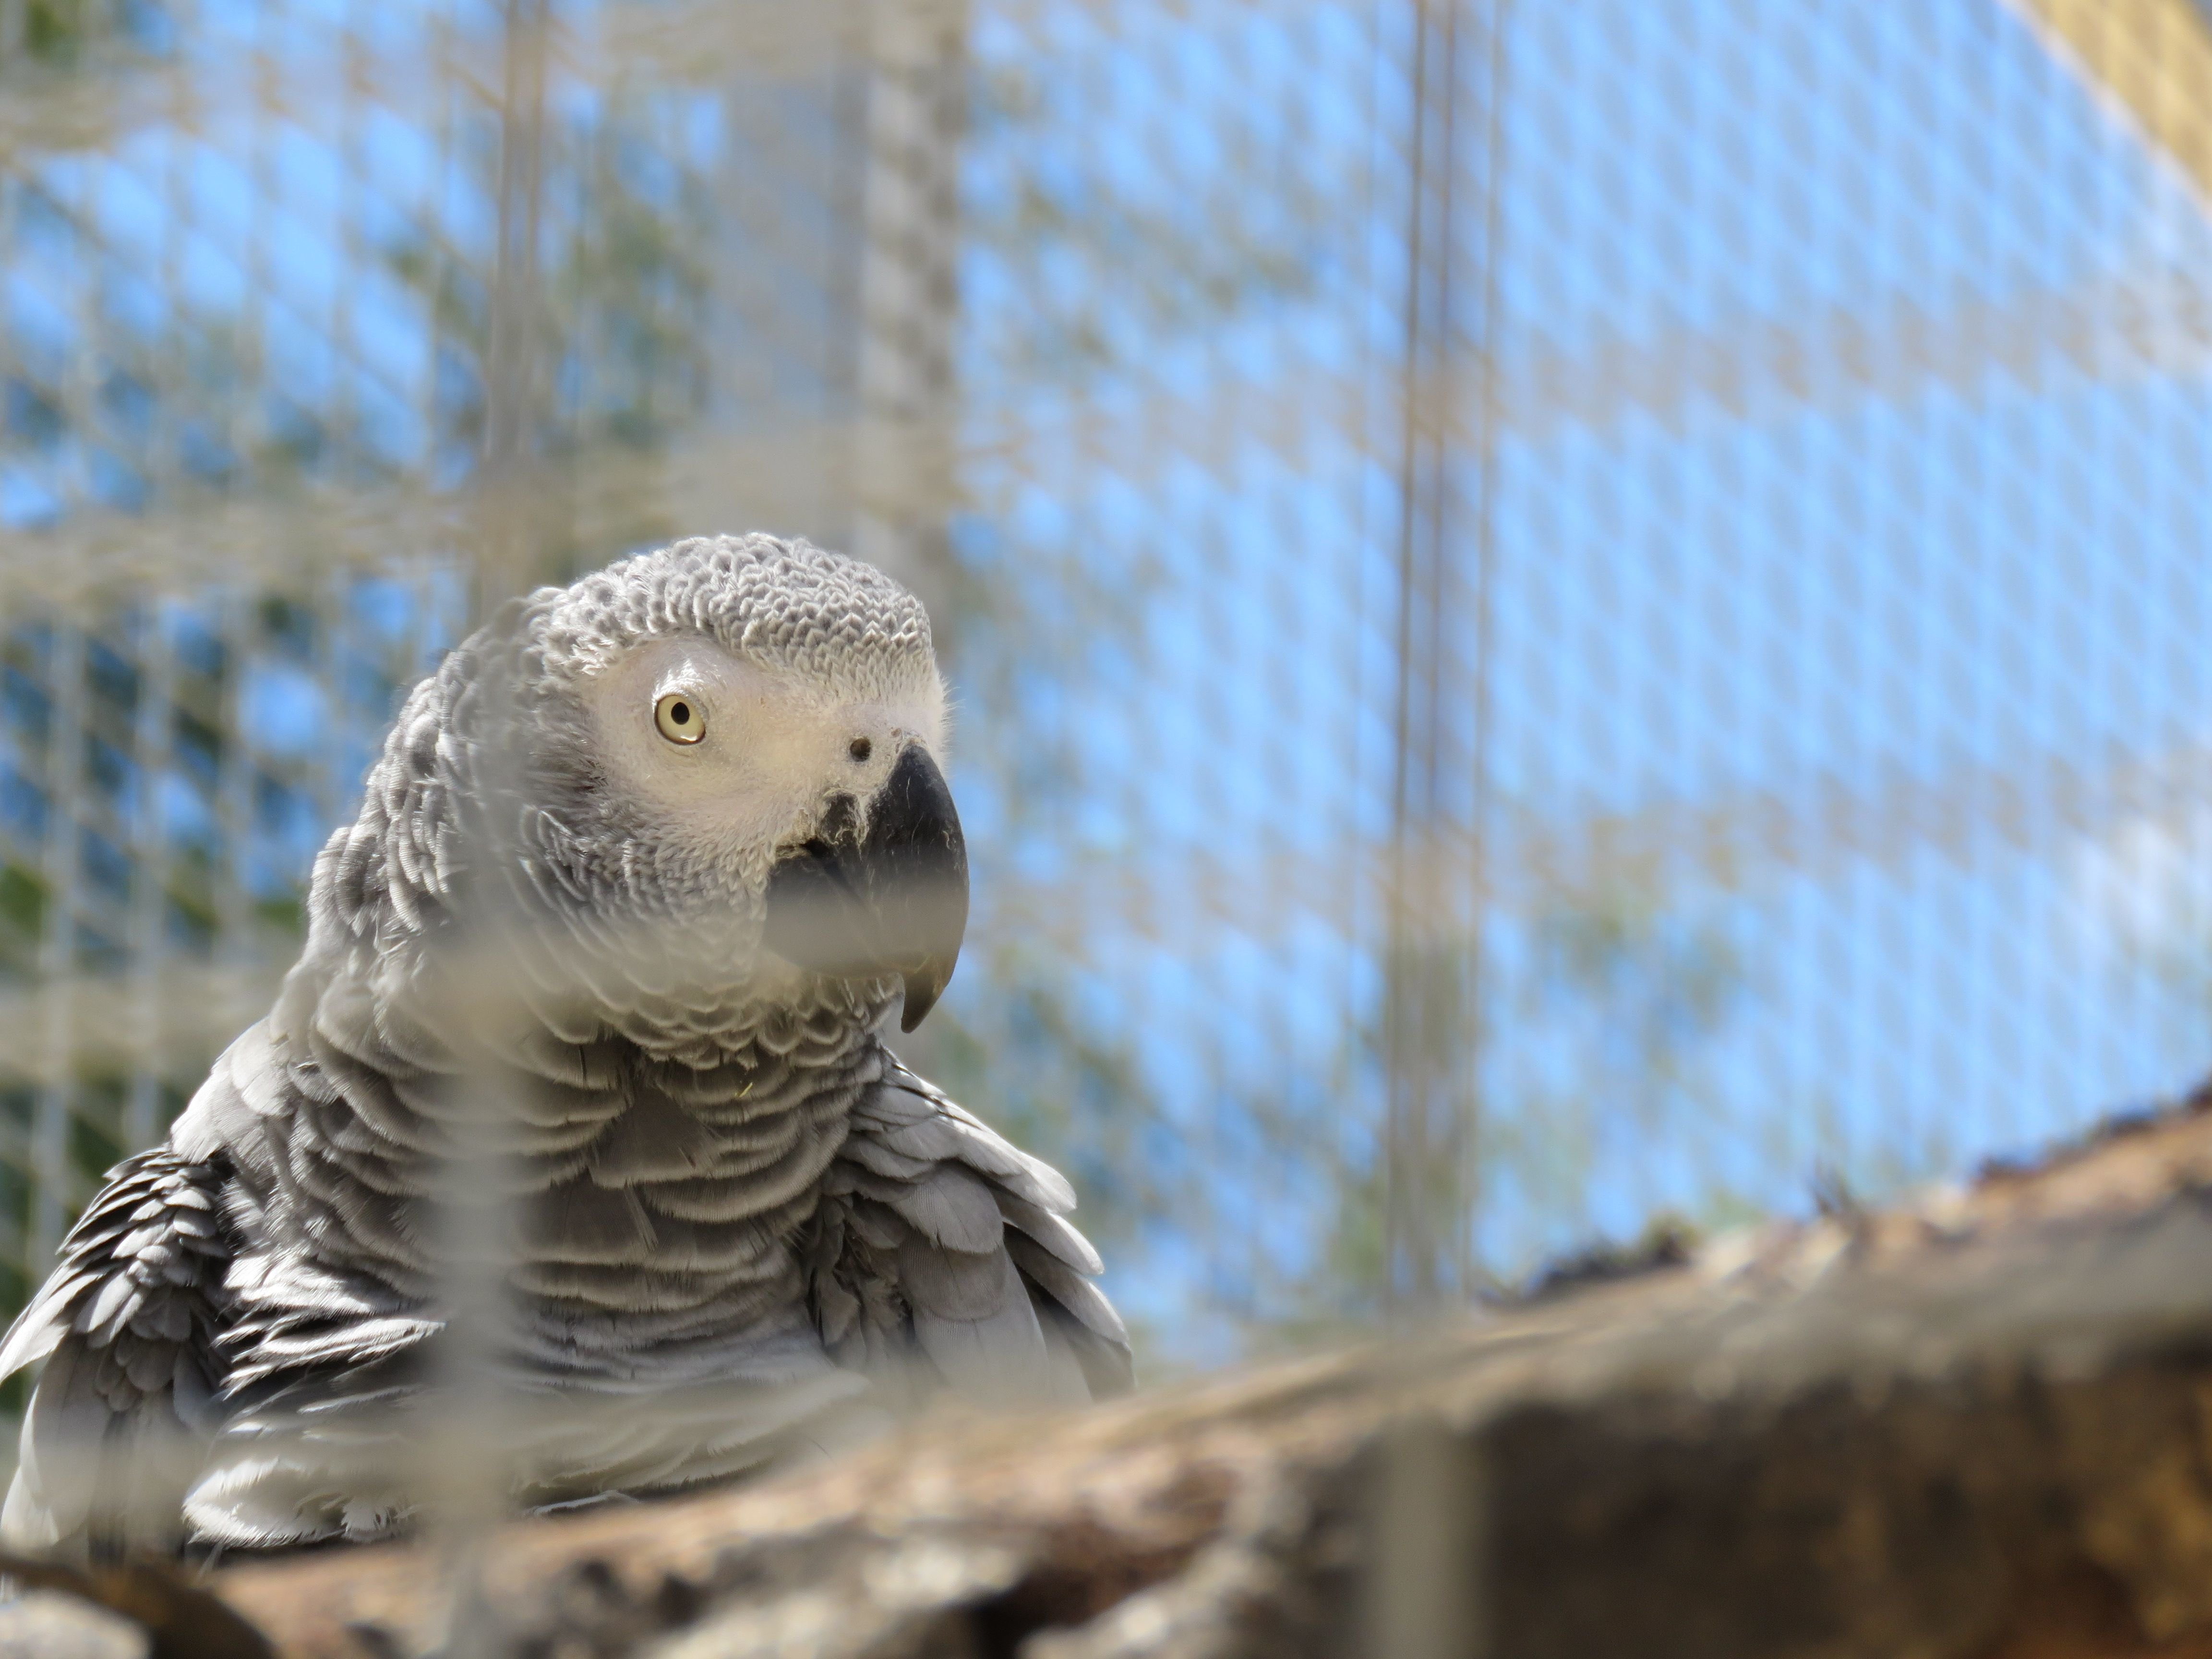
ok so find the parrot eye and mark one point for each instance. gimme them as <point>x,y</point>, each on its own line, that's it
<point>679,718</point>
<point>859,749</point>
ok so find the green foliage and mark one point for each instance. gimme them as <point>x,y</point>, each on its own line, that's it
<point>192,914</point>
<point>1095,272</point>
<point>619,351</point>
<point>636,286</point>
<point>96,1127</point>
<point>57,32</point>
<point>284,913</point>
<point>75,34</point>
<point>1635,993</point>
<point>23,918</point>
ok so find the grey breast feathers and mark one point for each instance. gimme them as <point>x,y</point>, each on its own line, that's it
<point>126,1326</point>
<point>941,1248</point>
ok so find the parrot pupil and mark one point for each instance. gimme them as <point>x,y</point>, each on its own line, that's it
<point>681,714</point>
<point>860,749</point>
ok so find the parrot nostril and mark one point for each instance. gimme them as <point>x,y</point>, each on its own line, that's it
<point>859,749</point>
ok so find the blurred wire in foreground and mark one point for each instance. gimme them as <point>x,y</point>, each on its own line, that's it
<point>1562,615</point>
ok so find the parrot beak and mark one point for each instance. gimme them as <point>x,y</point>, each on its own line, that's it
<point>894,901</point>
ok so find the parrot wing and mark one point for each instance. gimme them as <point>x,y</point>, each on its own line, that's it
<point>126,1327</point>
<point>939,1244</point>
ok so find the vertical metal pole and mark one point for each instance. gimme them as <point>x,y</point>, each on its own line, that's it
<point>1424,1596</point>
<point>54,1182</point>
<point>463,1466</point>
<point>235,941</point>
<point>1424,1013</point>
<point>905,458</point>
<point>1430,1037</point>
<point>157,717</point>
<point>1483,446</point>
<point>511,407</point>
<point>52,1173</point>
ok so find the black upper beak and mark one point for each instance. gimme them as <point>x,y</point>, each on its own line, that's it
<point>892,901</point>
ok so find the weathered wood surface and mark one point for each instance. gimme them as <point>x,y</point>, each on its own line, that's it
<point>1980,1425</point>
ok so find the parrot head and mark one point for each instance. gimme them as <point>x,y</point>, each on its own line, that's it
<point>739,739</point>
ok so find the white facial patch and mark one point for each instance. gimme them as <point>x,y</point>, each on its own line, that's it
<point>770,746</point>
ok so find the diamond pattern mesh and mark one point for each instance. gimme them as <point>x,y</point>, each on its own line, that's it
<point>1562,613</point>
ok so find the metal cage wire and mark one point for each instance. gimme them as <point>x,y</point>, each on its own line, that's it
<point>1562,612</point>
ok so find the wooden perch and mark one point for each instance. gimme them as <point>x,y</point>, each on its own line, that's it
<point>1978,1425</point>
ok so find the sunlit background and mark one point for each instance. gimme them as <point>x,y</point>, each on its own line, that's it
<point>1563,613</point>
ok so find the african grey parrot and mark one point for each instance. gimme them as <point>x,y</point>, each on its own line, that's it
<point>641,870</point>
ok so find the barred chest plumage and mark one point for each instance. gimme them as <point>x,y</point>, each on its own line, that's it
<point>648,1209</point>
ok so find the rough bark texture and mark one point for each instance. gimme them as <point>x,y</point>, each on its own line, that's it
<point>1979,1426</point>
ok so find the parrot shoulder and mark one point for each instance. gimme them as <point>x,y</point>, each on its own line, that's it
<point>939,1236</point>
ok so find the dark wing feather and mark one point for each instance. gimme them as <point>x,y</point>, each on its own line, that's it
<point>126,1326</point>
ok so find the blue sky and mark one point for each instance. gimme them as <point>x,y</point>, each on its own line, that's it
<point>1816,596</point>
<point>1990,577</point>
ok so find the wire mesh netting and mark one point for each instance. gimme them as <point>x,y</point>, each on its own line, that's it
<point>1562,613</point>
